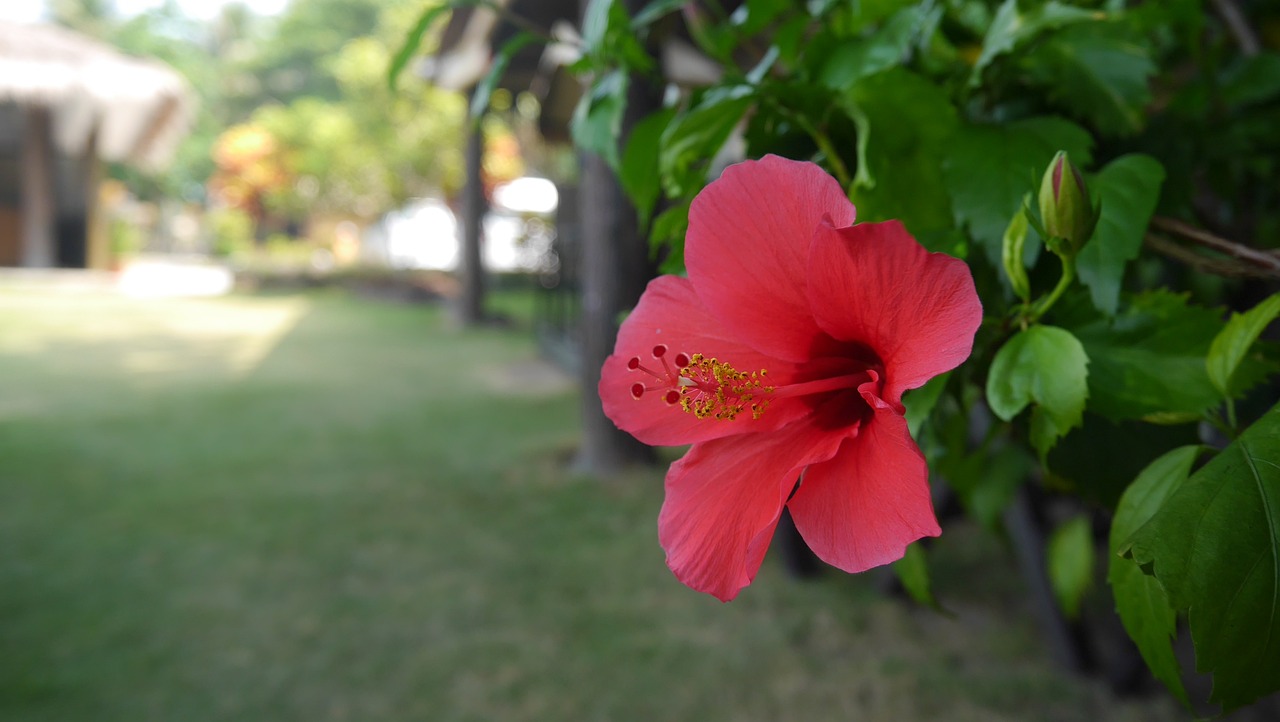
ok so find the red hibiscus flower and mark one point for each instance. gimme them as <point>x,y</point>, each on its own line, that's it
<point>783,357</point>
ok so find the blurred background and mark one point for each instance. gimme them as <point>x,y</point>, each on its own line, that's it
<point>290,421</point>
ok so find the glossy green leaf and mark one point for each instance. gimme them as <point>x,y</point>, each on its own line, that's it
<point>905,125</point>
<point>1232,343</point>
<point>1045,365</point>
<point>638,171</point>
<point>1214,546</point>
<point>484,90</point>
<point>597,120</point>
<point>1070,563</point>
<point>1011,251</point>
<point>989,168</point>
<point>654,11</point>
<point>1128,189</point>
<point>413,40</point>
<point>409,47</point>
<point>1012,27</point>
<point>881,50</point>
<point>1096,74</point>
<point>1149,360</point>
<point>595,23</point>
<point>668,233</point>
<point>608,36</point>
<point>987,482</point>
<point>694,137</point>
<point>1141,602</point>
<point>913,571</point>
<point>920,402</point>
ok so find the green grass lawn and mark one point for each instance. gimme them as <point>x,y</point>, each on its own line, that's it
<point>314,507</point>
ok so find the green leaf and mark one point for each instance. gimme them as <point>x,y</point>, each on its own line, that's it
<point>905,123</point>
<point>653,11</point>
<point>1046,365</point>
<point>669,229</point>
<point>609,39</point>
<point>1128,189</point>
<point>987,482</point>
<point>597,120</point>
<point>595,23</point>
<point>413,40</point>
<point>1011,27</point>
<point>1097,75</point>
<point>1099,460</point>
<point>694,137</point>
<point>638,172</point>
<point>920,402</point>
<point>759,15</point>
<point>1150,359</point>
<point>1253,80</point>
<point>484,90</point>
<point>883,49</point>
<point>1215,548</point>
<point>989,168</point>
<point>1141,602</point>
<point>1015,237</point>
<point>1070,561</point>
<point>1232,343</point>
<point>913,571</point>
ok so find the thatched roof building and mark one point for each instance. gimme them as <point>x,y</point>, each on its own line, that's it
<point>67,103</point>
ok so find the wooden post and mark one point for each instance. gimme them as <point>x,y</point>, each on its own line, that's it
<point>470,308</point>
<point>97,239</point>
<point>38,213</point>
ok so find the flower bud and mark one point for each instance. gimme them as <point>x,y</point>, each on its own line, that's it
<point>1065,207</point>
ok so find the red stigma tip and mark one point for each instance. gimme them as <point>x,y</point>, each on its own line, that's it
<point>660,350</point>
<point>672,397</point>
<point>637,390</point>
<point>633,363</point>
<point>682,360</point>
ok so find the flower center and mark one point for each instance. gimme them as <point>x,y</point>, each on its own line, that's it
<point>705,387</point>
<point>712,389</point>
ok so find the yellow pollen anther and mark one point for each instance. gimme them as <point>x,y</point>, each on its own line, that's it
<point>710,388</point>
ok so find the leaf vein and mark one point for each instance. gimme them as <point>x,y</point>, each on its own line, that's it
<point>1275,555</point>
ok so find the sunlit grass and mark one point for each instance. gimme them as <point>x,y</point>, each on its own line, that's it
<point>366,516</point>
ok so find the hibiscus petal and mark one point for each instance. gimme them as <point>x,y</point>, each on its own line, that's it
<point>670,313</point>
<point>874,284</point>
<point>863,507</point>
<point>724,499</point>
<point>748,245</point>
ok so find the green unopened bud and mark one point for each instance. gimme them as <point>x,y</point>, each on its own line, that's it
<point>1065,208</point>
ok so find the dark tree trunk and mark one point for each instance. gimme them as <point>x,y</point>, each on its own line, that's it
<point>615,269</point>
<point>470,308</point>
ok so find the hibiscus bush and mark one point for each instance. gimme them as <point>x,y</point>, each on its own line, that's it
<point>1082,199</point>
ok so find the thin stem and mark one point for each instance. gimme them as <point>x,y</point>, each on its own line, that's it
<point>1238,26</point>
<point>1225,267</point>
<point>1068,275</point>
<point>1266,263</point>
